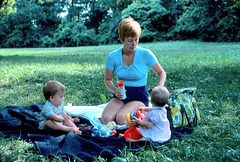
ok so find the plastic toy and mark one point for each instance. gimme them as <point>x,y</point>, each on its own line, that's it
<point>133,132</point>
<point>104,130</point>
<point>114,132</point>
<point>129,117</point>
<point>99,131</point>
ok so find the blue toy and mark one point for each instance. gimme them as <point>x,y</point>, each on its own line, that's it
<point>104,130</point>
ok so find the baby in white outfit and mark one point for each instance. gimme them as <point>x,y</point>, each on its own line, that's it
<point>155,124</point>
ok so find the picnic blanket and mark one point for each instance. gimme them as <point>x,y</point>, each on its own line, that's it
<point>22,122</point>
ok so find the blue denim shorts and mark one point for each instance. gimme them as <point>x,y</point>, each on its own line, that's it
<point>136,94</point>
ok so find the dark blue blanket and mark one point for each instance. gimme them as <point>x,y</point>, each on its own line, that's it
<point>22,122</point>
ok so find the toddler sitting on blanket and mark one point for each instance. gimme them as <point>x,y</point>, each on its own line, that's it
<point>52,115</point>
<point>155,125</point>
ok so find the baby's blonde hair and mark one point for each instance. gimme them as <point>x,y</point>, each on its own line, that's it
<point>159,96</point>
<point>51,88</point>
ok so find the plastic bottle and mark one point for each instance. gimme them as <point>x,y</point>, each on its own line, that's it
<point>121,87</point>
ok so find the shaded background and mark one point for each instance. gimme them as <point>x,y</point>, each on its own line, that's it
<point>70,23</point>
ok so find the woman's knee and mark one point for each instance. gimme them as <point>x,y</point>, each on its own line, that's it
<point>105,119</point>
<point>107,116</point>
<point>128,108</point>
<point>120,119</point>
<point>110,111</point>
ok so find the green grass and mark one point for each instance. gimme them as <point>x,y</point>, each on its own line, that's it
<point>212,67</point>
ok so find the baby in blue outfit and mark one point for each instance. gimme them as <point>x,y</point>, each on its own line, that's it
<point>52,115</point>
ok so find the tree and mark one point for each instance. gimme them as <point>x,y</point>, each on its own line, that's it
<point>6,7</point>
<point>228,25</point>
<point>21,30</point>
<point>33,20</point>
<point>96,14</point>
<point>75,9</point>
<point>108,29</point>
<point>48,15</point>
<point>123,4</point>
<point>70,34</point>
<point>155,20</point>
<point>39,22</point>
<point>210,20</point>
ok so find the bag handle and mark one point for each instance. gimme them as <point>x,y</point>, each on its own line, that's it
<point>195,110</point>
<point>184,112</point>
<point>169,116</point>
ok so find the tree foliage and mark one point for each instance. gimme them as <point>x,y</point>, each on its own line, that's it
<point>153,17</point>
<point>6,7</point>
<point>70,34</point>
<point>44,23</point>
<point>20,30</point>
<point>209,20</point>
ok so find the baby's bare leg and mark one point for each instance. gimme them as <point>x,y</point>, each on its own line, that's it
<point>121,135</point>
<point>50,124</point>
<point>68,123</point>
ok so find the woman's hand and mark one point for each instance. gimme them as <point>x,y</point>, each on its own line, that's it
<point>144,110</point>
<point>118,93</point>
<point>109,84</point>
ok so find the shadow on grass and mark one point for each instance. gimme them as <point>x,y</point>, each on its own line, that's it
<point>217,83</point>
<point>82,89</point>
<point>55,59</point>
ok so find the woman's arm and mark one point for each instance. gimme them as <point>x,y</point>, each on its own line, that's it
<point>161,74</point>
<point>109,84</point>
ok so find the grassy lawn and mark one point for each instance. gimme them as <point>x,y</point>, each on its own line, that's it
<point>212,67</point>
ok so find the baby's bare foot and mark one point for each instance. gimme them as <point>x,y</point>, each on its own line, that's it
<point>120,135</point>
<point>75,120</point>
<point>77,131</point>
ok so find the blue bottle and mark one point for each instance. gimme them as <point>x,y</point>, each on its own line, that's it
<point>121,87</point>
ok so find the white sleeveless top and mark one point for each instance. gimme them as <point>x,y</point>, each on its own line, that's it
<point>160,131</point>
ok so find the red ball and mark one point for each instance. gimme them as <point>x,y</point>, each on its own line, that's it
<point>132,133</point>
<point>114,132</point>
